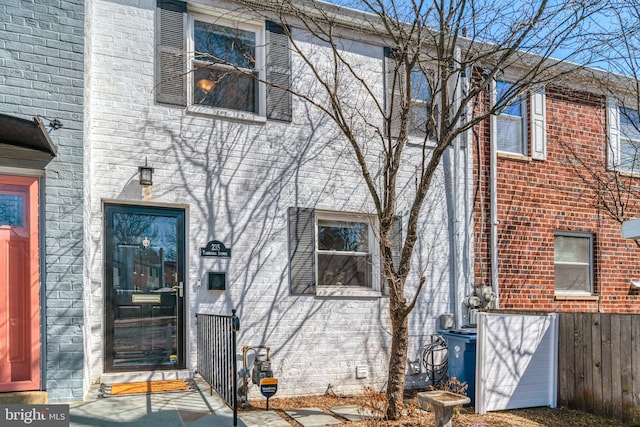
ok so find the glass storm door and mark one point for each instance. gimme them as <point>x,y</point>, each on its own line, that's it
<point>144,294</point>
<point>19,284</point>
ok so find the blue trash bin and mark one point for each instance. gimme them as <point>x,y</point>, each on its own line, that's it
<point>461,350</point>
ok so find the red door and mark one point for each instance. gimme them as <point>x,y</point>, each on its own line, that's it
<point>19,284</point>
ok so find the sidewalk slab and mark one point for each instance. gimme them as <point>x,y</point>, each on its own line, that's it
<point>263,419</point>
<point>312,417</point>
<point>354,412</point>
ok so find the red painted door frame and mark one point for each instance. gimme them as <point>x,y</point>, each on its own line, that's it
<point>20,289</point>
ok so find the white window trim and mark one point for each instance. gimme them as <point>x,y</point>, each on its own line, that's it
<point>615,138</point>
<point>523,119</point>
<point>565,292</point>
<point>254,26</point>
<point>533,123</point>
<point>375,290</point>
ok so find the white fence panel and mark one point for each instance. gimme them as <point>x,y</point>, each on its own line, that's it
<point>517,361</point>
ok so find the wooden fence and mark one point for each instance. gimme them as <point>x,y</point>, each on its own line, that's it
<point>599,364</point>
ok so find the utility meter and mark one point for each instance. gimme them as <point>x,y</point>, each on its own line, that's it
<point>261,367</point>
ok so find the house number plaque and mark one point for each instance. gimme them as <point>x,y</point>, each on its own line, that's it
<point>215,248</point>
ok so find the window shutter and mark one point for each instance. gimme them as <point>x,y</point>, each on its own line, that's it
<point>396,241</point>
<point>302,279</point>
<point>278,68</point>
<point>393,90</point>
<point>613,133</point>
<point>171,77</point>
<point>538,124</point>
<point>396,249</point>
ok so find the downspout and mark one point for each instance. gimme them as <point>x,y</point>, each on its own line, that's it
<point>451,164</point>
<point>493,198</point>
<point>468,196</point>
<point>458,285</point>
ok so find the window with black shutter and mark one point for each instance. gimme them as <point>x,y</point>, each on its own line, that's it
<point>215,65</point>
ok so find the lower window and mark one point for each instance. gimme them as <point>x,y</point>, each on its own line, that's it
<point>343,253</point>
<point>573,263</point>
<point>337,254</point>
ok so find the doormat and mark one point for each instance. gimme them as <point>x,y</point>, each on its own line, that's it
<point>146,387</point>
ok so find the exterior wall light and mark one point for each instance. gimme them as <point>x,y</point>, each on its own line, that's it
<point>146,174</point>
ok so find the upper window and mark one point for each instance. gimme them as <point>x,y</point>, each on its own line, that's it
<point>225,66</point>
<point>419,99</point>
<point>629,140</point>
<point>343,252</point>
<point>420,109</point>
<point>218,66</point>
<point>511,122</point>
<point>573,263</point>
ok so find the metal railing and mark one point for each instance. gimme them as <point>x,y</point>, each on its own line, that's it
<point>217,363</point>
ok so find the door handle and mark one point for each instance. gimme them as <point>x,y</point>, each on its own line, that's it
<point>179,289</point>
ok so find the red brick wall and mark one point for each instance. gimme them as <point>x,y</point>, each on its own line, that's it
<point>537,198</point>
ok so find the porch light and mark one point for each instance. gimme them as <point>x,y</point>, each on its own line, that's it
<point>146,174</point>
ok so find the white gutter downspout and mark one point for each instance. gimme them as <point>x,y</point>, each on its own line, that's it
<point>493,198</point>
<point>458,286</point>
<point>467,252</point>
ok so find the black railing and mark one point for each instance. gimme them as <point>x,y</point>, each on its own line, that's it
<point>217,356</point>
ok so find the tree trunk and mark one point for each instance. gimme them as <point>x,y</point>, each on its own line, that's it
<point>397,363</point>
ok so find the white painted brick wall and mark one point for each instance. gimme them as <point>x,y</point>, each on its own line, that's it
<point>236,181</point>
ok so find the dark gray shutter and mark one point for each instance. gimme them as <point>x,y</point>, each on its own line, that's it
<point>278,66</point>
<point>396,249</point>
<point>393,89</point>
<point>171,70</point>
<point>301,251</point>
<point>396,241</point>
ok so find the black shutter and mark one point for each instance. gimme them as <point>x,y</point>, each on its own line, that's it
<point>396,249</point>
<point>302,251</point>
<point>394,80</point>
<point>278,66</point>
<point>396,241</point>
<point>171,70</point>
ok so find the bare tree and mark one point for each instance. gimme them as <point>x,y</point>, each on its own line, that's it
<point>441,62</point>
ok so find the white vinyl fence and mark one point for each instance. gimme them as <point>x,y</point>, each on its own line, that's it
<point>517,361</point>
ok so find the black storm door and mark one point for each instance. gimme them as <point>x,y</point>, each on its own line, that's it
<point>144,292</point>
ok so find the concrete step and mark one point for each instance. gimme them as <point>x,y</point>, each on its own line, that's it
<point>24,397</point>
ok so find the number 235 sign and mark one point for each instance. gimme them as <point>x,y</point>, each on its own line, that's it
<point>215,248</point>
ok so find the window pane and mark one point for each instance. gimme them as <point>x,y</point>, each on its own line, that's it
<point>420,103</point>
<point>571,249</point>
<point>629,155</point>
<point>571,277</point>
<point>514,108</point>
<point>630,139</point>
<point>418,119</point>
<point>629,119</point>
<point>342,236</point>
<point>573,263</point>
<point>344,270</point>
<point>224,88</point>
<point>420,90</point>
<point>215,43</point>
<point>510,134</point>
<point>11,210</point>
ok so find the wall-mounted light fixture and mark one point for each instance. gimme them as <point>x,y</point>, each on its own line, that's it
<point>146,174</point>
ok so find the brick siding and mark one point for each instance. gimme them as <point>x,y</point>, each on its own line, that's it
<point>41,74</point>
<point>537,198</point>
